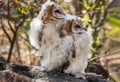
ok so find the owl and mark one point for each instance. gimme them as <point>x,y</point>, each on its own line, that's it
<point>46,36</point>
<point>82,41</point>
<point>49,12</point>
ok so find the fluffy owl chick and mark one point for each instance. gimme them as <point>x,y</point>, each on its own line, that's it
<point>53,49</point>
<point>49,11</point>
<point>82,43</point>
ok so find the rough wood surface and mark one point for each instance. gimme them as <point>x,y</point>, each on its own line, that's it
<point>19,73</point>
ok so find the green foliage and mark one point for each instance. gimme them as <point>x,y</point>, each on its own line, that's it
<point>23,8</point>
<point>115,12</point>
<point>114,20</point>
<point>114,32</point>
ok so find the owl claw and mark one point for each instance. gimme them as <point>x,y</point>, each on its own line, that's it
<point>42,68</point>
<point>93,75</point>
<point>80,76</point>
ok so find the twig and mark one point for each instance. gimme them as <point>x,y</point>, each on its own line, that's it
<point>4,28</point>
<point>23,38</point>
<point>106,54</point>
<point>26,41</point>
<point>112,38</point>
<point>13,40</point>
<point>9,17</point>
<point>104,14</point>
<point>18,50</point>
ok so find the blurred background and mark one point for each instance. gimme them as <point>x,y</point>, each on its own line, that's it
<point>100,17</point>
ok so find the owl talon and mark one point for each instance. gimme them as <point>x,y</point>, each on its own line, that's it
<point>39,68</point>
<point>93,75</point>
<point>80,76</point>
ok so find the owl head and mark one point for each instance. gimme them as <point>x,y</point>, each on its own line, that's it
<point>50,12</point>
<point>73,25</point>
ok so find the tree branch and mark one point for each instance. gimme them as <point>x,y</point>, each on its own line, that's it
<point>34,74</point>
<point>2,26</point>
<point>13,40</point>
<point>18,51</point>
<point>8,11</point>
<point>104,14</point>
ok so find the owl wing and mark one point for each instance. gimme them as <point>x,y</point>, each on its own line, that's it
<point>35,32</point>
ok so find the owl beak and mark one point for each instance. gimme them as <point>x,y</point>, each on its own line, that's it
<point>80,33</point>
<point>85,29</point>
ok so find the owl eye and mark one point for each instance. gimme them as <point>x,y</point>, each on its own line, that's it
<point>57,12</point>
<point>77,26</point>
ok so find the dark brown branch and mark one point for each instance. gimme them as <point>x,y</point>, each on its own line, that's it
<point>18,50</point>
<point>9,16</point>
<point>14,39</point>
<point>4,29</point>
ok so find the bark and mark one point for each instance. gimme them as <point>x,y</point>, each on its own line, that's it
<point>19,73</point>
